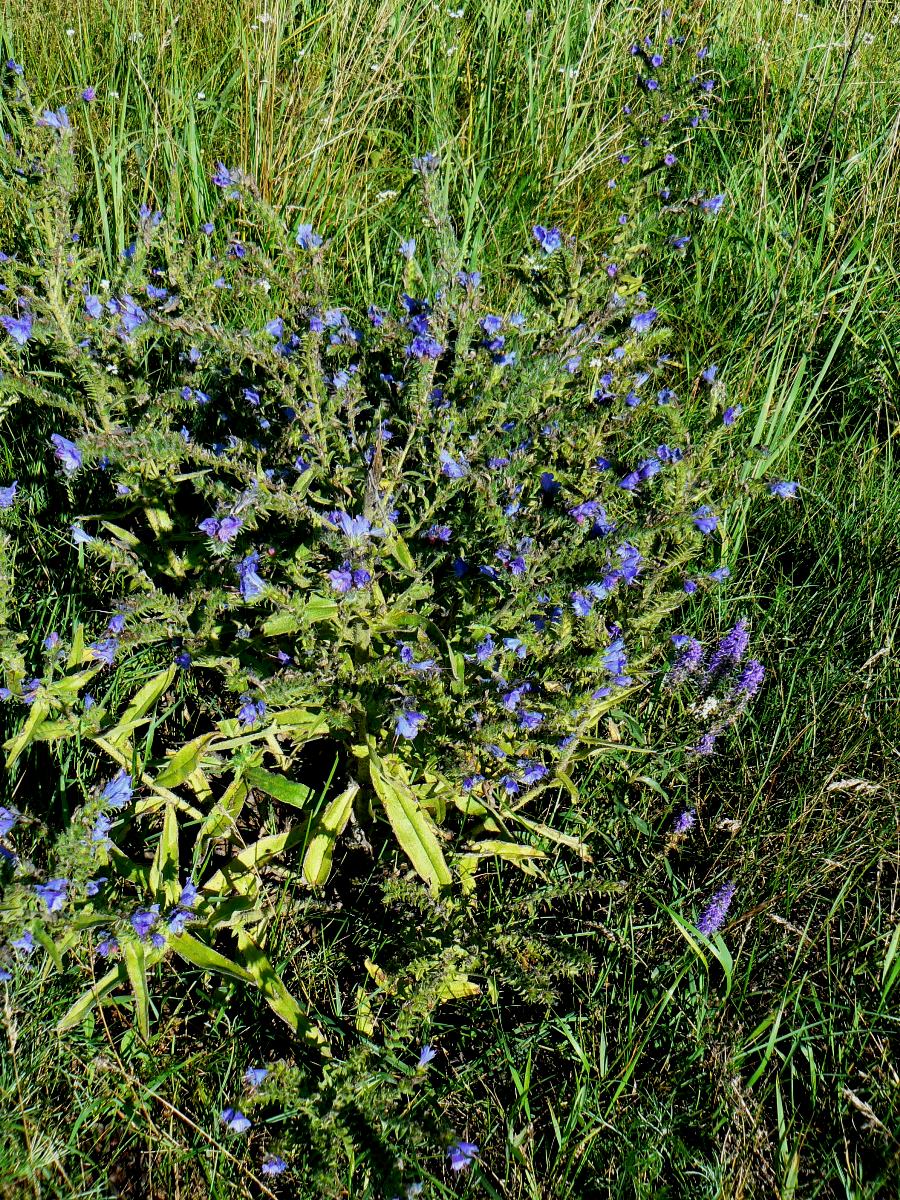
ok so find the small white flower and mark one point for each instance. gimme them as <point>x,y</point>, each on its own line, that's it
<point>387,195</point>
<point>868,39</point>
<point>70,33</point>
<point>456,14</point>
<point>201,95</point>
<point>264,18</point>
<point>451,51</point>
<point>112,369</point>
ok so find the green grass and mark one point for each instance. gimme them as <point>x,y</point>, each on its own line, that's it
<point>607,1054</point>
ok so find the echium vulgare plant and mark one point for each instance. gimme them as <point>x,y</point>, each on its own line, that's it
<point>439,538</point>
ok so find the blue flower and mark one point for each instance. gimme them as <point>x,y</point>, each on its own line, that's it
<point>786,490</point>
<point>144,919</point>
<point>18,328</point>
<point>424,346</point>
<point>355,529</point>
<point>426,1055</point>
<point>347,578</point>
<point>307,238</point>
<point>642,321</point>
<point>685,820</point>
<point>713,204</point>
<point>221,530</point>
<point>709,374</point>
<point>223,177</point>
<point>468,279</point>
<point>105,651</point>
<point>451,468</point>
<point>8,818</point>
<point>426,164</point>
<point>408,249</point>
<point>249,581</point>
<point>251,711</point>
<point>25,943</point>
<point>189,894</point>
<point>273,1165</point>
<point>705,519</point>
<point>118,791</point>
<point>731,414</point>
<point>8,494</point>
<point>235,1121</point>
<point>58,120</point>
<point>53,893</point>
<point>461,1155</point>
<point>408,723</point>
<point>255,1075</point>
<point>80,537</point>
<point>548,239</point>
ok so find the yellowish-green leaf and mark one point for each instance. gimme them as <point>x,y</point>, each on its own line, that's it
<point>328,828</point>
<point>76,654</point>
<point>36,717</point>
<point>457,987</point>
<point>226,811</point>
<point>164,882</point>
<point>83,1005</point>
<point>198,954</point>
<point>183,762</point>
<point>244,867</point>
<point>288,791</point>
<point>277,996</point>
<point>412,826</point>
<point>136,966</point>
<point>142,702</point>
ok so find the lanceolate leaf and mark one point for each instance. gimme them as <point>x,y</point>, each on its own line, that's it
<point>288,791</point>
<point>136,966</point>
<point>329,827</point>
<point>412,827</point>
<point>279,998</point>
<point>83,1005</point>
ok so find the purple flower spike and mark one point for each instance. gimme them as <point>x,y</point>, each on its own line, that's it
<point>715,914</point>
<point>685,820</point>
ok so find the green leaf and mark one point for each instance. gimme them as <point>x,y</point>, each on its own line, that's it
<point>76,654</point>
<point>183,762</point>
<point>15,746</point>
<point>136,966</point>
<point>412,827</point>
<point>164,883</point>
<point>279,786</point>
<point>198,954</point>
<point>396,547</point>
<point>240,871</point>
<point>277,996</point>
<point>226,811</point>
<point>44,939</point>
<point>282,622</point>
<point>328,828</point>
<point>83,1005</point>
<point>139,706</point>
